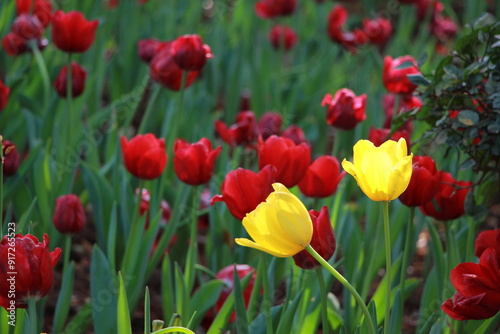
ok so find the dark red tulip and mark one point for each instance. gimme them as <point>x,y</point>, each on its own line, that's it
<point>444,28</point>
<point>226,275</point>
<point>378,30</point>
<point>424,182</point>
<point>478,289</point>
<point>14,45</point>
<point>406,103</point>
<point>245,100</point>
<point>69,216</point>
<point>269,9</point>
<point>42,9</point>
<point>242,190</point>
<point>379,136</point>
<point>345,110</point>
<point>323,240</point>
<point>33,266</point>
<point>11,158</point>
<point>351,40</point>
<point>72,32</point>
<point>296,134</point>
<point>270,124</point>
<point>449,201</point>
<point>282,37</point>
<point>291,160</point>
<point>148,48</point>
<point>322,177</point>
<point>27,27</point>
<point>189,52</point>
<point>166,211</point>
<point>144,156</point>
<point>243,132</point>
<point>488,239</point>
<point>78,78</point>
<point>396,80</point>
<point>194,163</point>
<point>4,95</point>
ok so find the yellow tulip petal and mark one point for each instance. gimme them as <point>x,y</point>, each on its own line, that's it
<point>349,167</point>
<point>249,243</point>
<point>294,218</point>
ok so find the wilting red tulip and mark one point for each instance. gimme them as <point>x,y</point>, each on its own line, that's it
<point>296,134</point>
<point>78,77</point>
<point>380,136</point>
<point>148,48</point>
<point>34,267</point>
<point>11,158</point>
<point>189,52</point>
<point>226,275</point>
<point>194,163</point>
<point>27,27</point>
<point>323,240</point>
<point>69,216</point>
<point>242,132</point>
<point>282,37</point>
<point>270,124</point>
<point>345,109</point>
<point>242,190</point>
<point>424,182</point>
<point>449,201</point>
<point>396,80</point>
<point>322,177</point>
<point>291,160</point>
<point>378,30</point>
<point>478,289</point>
<point>4,95</point>
<point>488,239</point>
<point>406,103</point>
<point>269,9</point>
<point>144,156</point>
<point>42,9</point>
<point>71,32</point>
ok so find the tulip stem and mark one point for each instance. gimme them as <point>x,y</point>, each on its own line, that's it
<point>346,284</point>
<point>267,296</point>
<point>32,315</point>
<point>385,205</point>
<point>67,251</point>
<point>69,98</point>
<point>324,298</point>
<point>406,255</point>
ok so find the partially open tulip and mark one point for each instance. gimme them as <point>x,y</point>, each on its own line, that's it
<point>72,32</point>
<point>242,190</point>
<point>78,78</point>
<point>280,226</point>
<point>194,163</point>
<point>351,40</point>
<point>10,158</point>
<point>69,216</point>
<point>4,95</point>
<point>383,172</point>
<point>282,37</point>
<point>424,182</point>
<point>395,79</point>
<point>190,53</point>
<point>323,240</point>
<point>269,9</point>
<point>144,156</point>
<point>34,267</point>
<point>378,30</point>
<point>270,124</point>
<point>322,177</point>
<point>345,109</point>
<point>291,160</point>
<point>243,132</point>
<point>487,239</point>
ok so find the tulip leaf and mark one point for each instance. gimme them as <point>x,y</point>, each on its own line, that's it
<point>64,298</point>
<point>239,303</point>
<point>404,65</point>
<point>203,299</point>
<point>286,323</point>
<point>147,312</point>
<point>426,328</point>
<point>123,325</point>
<point>487,326</point>
<point>418,79</point>
<point>257,326</point>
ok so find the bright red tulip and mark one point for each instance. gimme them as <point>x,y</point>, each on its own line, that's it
<point>291,160</point>
<point>189,52</point>
<point>270,124</point>
<point>243,132</point>
<point>71,32</point>
<point>194,163</point>
<point>27,27</point>
<point>4,95</point>
<point>380,136</point>
<point>282,37</point>
<point>424,182</point>
<point>269,9</point>
<point>488,239</point>
<point>396,80</point>
<point>78,78</point>
<point>34,267</point>
<point>11,158</point>
<point>243,190</point>
<point>449,201</point>
<point>148,48</point>
<point>345,110</point>
<point>144,156</point>
<point>322,177</point>
<point>69,216</point>
<point>42,9</point>
<point>323,240</point>
<point>378,30</point>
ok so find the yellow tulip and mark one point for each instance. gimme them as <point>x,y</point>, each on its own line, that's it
<point>383,173</point>
<point>280,226</point>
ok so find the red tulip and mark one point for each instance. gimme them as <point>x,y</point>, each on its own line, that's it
<point>296,134</point>
<point>11,158</point>
<point>166,211</point>
<point>243,190</point>
<point>270,124</point>
<point>194,163</point>
<point>4,95</point>
<point>78,77</point>
<point>291,160</point>
<point>424,182</point>
<point>71,32</point>
<point>148,48</point>
<point>379,136</point>
<point>269,9</point>
<point>42,9</point>
<point>351,40</point>
<point>189,52</point>
<point>243,132</point>
<point>444,28</point>
<point>396,80</point>
<point>478,289</point>
<point>69,216</point>
<point>282,37</point>
<point>27,27</point>
<point>14,45</point>
<point>323,240</point>
<point>488,239</point>
<point>449,201</point>
<point>345,109</point>
<point>245,100</point>
<point>322,177</point>
<point>33,269</point>
<point>144,156</point>
<point>378,30</point>
<point>406,103</point>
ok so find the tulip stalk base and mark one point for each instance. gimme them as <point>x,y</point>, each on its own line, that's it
<point>324,294</point>
<point>32,315</point>
<point>347,285</point>
<point>387,232</point>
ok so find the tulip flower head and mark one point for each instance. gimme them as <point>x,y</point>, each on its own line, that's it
<point>280,226</point>
<point>78,77</point>
<point>383,172</point>
<point>4,95</point>
<point>144,156</point>
<point>72,32</point>
<point>345,110</point>
<point>395,79</point>
<point>69,216</point>
<point>10,158</point>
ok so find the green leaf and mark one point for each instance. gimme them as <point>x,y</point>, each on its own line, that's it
<point>81,320</point>
<point>147,312</point>
<point>404,65</point>
<point>286,323</point>
<point>203,299</point>
<point>467,164</point>
<point>418,79</point>
<point>123,324</point>
<point>258,324</point>
<point>239,303</point>
<point>64,298</point>
<point>468,117</point>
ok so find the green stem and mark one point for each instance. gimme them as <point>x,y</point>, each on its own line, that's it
<point>346,284</point>
<point>406,255</point>
<point>267,296</point>
<point>69,98</point>
<point>32,315</point>
<point>44,73</point>
<point>388,265</point>
<point>324,298</point>
<point>470,241</point>
<point>67,251</point>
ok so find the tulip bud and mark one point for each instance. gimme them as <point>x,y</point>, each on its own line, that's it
<point>144,156</point>
<point>78,77</point>
<point>10,158</point>
<point>269,9</point>
<point>282,37</point>
<point>69,216</point>
<point>190,53</point>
